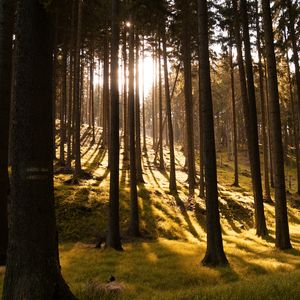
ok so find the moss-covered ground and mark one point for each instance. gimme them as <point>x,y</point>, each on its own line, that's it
<point>165,263</point>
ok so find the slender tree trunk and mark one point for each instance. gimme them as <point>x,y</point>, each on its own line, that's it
<point>214,253</point>
<point>32,267</point>
<point>125,99</point>
<point>282,227</point>
<point>134,216</point>
<point>261,228</point>
<point>186,37</point>
<point>92,91</point>
<point>153,102</point>
<point>6,33</point>
<point>250,124</point>
<point>77,169</point>
<point>105,91</point>
<point>172,183</point>
<point>71,86</point>
<point>263,110</point>
<point>233,106</point>
<point>139,170</point>
<point>54,79</point>
<point>63,105</point>
<point>295,121</point>
<point>143,99</point>
<point>161,152</point>
<point>113,235</point>
<point>292,14</point>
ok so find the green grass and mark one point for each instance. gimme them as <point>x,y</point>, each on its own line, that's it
<point>166,262</point>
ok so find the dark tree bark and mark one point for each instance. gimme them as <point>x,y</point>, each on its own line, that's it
<point>263,109</point>
<point>282,227</point>
<point>161,152</point>
<point>139,170</point>
<point>125,97</point>
<point>77,170</point>
<point>113,235</point>
<point>292,34</point>
<point>33,270</point>
<point>6,33</point>
<point>186,48</point>
<point>261,228</point>
<point>71,85</point>
<point>63,102</point>
<point>105,91</point>
<point>92,107</point>
<point>134,208</point>
<point>143,99</point>
<point>234,125</point>
<point>172,182</point>
<point>214,253</point>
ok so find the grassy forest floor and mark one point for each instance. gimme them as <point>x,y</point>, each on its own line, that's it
<point>166,262</point>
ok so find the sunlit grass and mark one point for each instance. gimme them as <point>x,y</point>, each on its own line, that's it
<point>166,262</point>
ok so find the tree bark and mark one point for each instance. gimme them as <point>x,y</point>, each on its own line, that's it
<point>172,182</point>
<point>134,208</point>
<point>282,227</point>
<point>139,170</point>
<point>261,228</point>
<point>186,39</point>
<point>32,267</point>
<point>6,33</point>
<point>214,253</point>
<point>113,235</point>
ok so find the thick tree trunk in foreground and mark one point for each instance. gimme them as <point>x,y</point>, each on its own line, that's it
<point>32,267</point>
<point>282,227</point>
<point>214,253</point>
<point>6,31</point>
<point>113,235</point>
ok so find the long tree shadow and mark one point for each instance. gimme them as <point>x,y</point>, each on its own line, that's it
<point>183,210</point>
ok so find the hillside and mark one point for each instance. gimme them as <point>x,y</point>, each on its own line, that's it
<point>165,262</point>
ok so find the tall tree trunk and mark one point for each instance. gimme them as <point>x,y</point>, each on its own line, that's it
<point>292,12</point>
<point>32,267</point>
<point>214,253</point>
<point>139,170</point>
<point>172,182</point>
<point>92,117</point>
<point>54,78</point>
<point>161,152</point>
<point>6,33</point>
<point>77,169</point>
<point>143,99</point>
<point>71,87</point>
<point>63,104</point>
<point>234,125</point>
<point>134,208</point>
<point>105,91</point>
<point>261,228</point>
<point>282,227</point>
<point>125,97</point>
<point>113,235</point>
<point>153,102</point>
<point>186,39</point>
<point>295,120</point>
<point>263,109</point>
